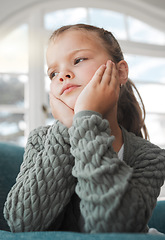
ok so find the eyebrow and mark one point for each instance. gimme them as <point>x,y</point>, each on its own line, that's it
<point>81,50</point>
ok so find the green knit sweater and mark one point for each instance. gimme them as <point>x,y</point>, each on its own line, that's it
<point>61,164</point>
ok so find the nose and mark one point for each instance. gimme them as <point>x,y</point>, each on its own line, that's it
<point>66,75</point>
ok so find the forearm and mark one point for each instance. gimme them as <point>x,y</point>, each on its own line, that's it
<point>113,198</point>
<point>44,184</point>
<point>102,177</point>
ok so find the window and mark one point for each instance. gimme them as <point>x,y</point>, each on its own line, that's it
<point>19,79</point>
<point>13,80</point>
<point>56,19</point>
<point>141,32</point>
<point>14,51</point>
<point>148,73</point>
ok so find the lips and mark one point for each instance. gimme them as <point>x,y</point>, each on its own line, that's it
<point>68,88</point>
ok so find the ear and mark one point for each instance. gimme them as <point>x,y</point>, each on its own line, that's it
<point>122,68</point>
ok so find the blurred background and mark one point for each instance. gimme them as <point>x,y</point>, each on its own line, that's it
<point>25,27</point>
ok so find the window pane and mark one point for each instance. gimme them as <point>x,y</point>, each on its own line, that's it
<point>153,96</point>
<point>148,69</point>
<point>47,87</point>
<point>141,32</point>
<point>14,51</point>
<point>62,17</point>
<point>50,119</point>
<point>12,128</point>
<point>47,83</point>
<point>109,20</point>
<point>12,89</point>
<point>156,127</point>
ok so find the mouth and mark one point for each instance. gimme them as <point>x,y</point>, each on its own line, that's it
<point>68,88</point>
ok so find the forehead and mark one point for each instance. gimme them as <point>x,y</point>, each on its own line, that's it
<point>71,39</point>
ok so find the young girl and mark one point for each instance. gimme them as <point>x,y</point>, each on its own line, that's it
<point>91,171</point>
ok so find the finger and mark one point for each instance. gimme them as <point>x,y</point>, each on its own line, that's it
<point>108,73</point>
<point>58,104</point>
<point>55,103</point>
<point>99,74</point>
<point>52,98</point>
<point>114,81</point>
<point>53,106</point>
<point>51,95</point>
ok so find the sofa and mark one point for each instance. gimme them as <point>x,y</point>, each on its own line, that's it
<point>11,157</point>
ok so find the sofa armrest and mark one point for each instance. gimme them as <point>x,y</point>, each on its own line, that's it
<point>158,217</point>
<point>11,157</point>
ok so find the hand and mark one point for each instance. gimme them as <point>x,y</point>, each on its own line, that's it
<point>61,111</point>
<point>102,92</point>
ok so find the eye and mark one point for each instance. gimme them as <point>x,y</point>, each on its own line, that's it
<point>77,60</point>
<point>52,75</point>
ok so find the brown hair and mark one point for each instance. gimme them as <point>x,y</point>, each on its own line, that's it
<point>130,114</point>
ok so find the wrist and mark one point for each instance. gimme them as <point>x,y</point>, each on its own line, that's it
<point>86,113</point>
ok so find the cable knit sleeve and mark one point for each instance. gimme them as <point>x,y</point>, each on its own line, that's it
<point>115,196</point>
<point>45,184</point>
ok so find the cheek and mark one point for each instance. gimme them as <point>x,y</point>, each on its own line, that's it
<point>89,73</point>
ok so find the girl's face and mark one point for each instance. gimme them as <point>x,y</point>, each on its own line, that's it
<point>73,58</point>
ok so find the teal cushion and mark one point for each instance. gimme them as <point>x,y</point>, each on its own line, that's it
<point>77,236</point>
<point>11,157</point>
<point>158,217</point>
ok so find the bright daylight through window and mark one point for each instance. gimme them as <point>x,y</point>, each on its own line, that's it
<point>13,79</point>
